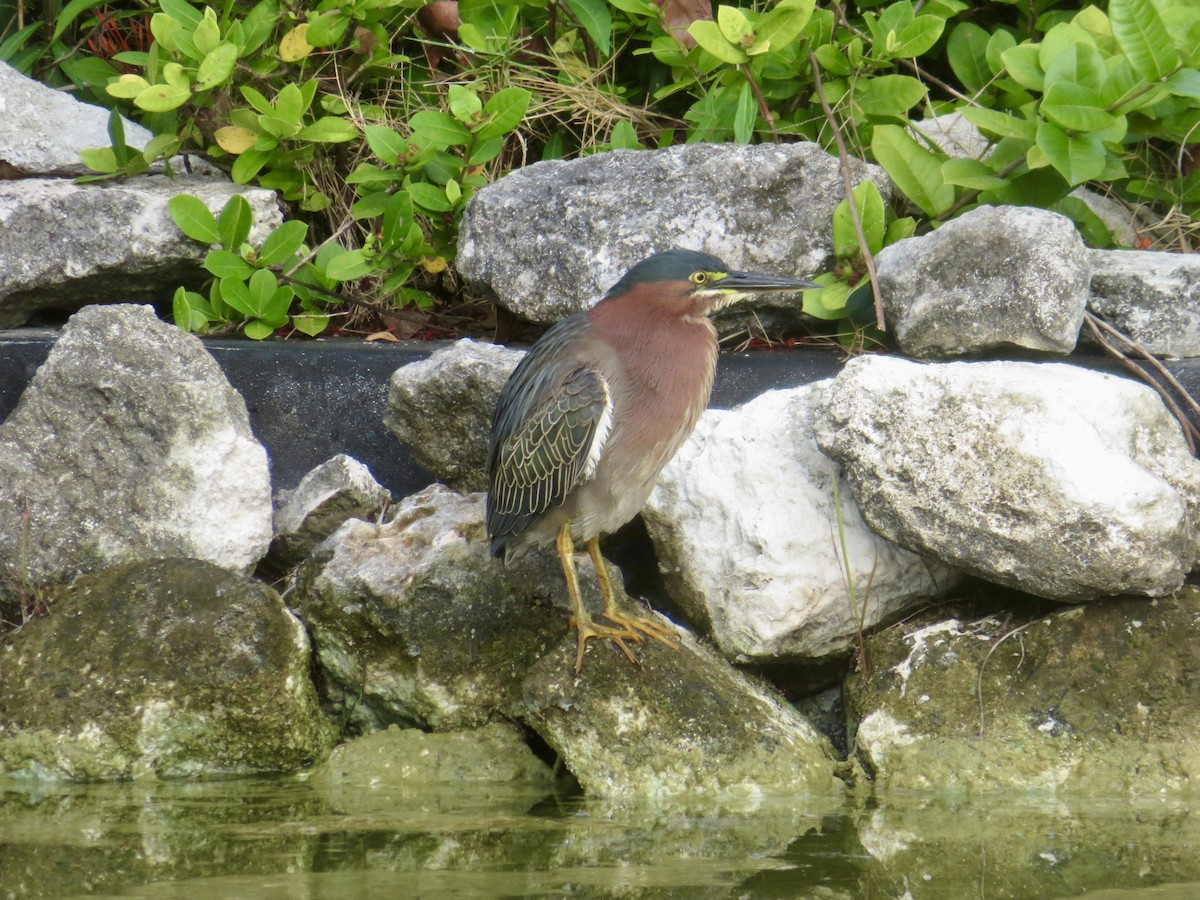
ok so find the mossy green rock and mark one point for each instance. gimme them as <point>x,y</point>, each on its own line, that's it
<point>1097,699</point>
<point>677,724</point>
<point>415,624</point>
<point>399,756</point>
<point>173,668</point>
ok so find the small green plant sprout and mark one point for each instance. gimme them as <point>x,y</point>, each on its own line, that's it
<point>258,289</point>
<point>845,295</point>
<point>119,158</point>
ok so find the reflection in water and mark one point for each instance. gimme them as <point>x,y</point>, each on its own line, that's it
<point>291,838</point>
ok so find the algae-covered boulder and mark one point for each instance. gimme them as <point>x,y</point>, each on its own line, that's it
<point>1102,699</point>
<point>399,756</point>
<point>678,723</point>
<point>415,624</point>
<point>173,668</point>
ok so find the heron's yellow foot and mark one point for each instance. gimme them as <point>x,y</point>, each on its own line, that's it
<point>588,629</point>
<point>642,625</point>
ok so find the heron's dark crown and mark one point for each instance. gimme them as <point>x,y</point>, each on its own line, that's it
<point>668,265</point>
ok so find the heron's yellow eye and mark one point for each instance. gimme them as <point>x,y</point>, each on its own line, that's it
<point>699,278</point>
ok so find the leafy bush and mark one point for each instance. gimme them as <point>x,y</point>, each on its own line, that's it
<point>376,120</point>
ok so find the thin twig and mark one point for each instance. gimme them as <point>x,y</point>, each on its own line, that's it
<point>848,187</point>
<point>983,665</point>
<point>763,109</point>
<point>1101,330</point>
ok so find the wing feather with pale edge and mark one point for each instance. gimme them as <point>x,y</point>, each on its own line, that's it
<point>536,461</point>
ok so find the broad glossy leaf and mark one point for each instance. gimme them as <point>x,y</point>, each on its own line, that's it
<point>235,293</point>
<point>327,29</point>
<point>999,123</point>
<point>349,265</point>
<point>289,104</point>
<point>1021,63</point>
<point>224,264</point>
<point>996,45</point>
<point>596,20</point>
<point>871,215</point>
<point>734,25</point>
<point>162,97</point>
<point>503,112</point>
<point>438,129</point>
<point>189,310</point>
<point>100,159</point>
<point>249,164</point>
<point>329,130</point>
<point>971,173</point>
<point>429,196</point>
<point>283,243</point>
<point>1078,158</point>
<point>385,143</point>
<point>128,86</point>
<point>464,103</point>
<point>744,118</point>
<point>1080,63</point>
<point>916,171</point>
<point>967,52</point>
<point>783,24</point>
<point>919,35</point>
<point>193,218</point>
<point>891,95</point>
<point>1075,107</point>
<point>828,303</point>
<point>234,139</point>
<point>234,222</point>
<point>216,67</point>
<point>1143,38</point>
<point>708,35</point>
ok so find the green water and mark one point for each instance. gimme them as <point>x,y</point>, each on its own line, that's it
<point>285,838</point>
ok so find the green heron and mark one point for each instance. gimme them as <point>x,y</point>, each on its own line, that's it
<point>598,406</point>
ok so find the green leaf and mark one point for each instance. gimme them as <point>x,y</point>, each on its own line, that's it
<point>503,112</point>
<point>1080,63</point>
<point>744,118</point>
<point>996,45</point>
<point>70,13</point>
<point>249,164</point>
<point>258,101</point>
<point>234,222</point>
<point>733,25</point>
<point>1021,63</point>
<point>349,265</point>
<point>235,293</point>
<point>828,303</point>
<point>327,29</point>
<point>1000,124</point>
<point>438,129</point>
<point>329,130</point>
<point>782,25</point>
<point>967,52</point>
<point>100,159</point>
<point>1075,107</point>
<point>596,20</point>
<point>163,97</point>
<point>486,151</point>
<point>182,12</point>
<point>971,173</point>
<point>1185,83</point>
<point>891,95</point>
<point>429,196</point>
<point>624,136</point>
<point>872,217</point>
<point>289,104</point>
<point>708,35</point>
<point>919,36</point>
<point>310,325</point>
<point>916,171</point>
<point>283,243</point>
<point>258,330</point>
<point>189,309</point>
<point>1078,158</point>
<point>193,218</point>
<point>385,143</point>
<point>1143,38</point>
<point>224,264</point>
<point>216,67</point>
<point>464,103</point>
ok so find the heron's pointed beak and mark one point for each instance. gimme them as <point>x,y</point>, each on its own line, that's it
<point>753,282</point>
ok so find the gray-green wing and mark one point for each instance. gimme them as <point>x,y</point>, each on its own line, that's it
<point>550,426</point>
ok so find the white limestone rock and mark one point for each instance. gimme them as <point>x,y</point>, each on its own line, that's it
<point>1053,479</point>
<point>745,522</point>
<point>1152,297</point>
<point>994,277</point>
<point>129,444</point>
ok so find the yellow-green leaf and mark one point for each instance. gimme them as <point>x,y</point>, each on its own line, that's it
<point>294,46</point>
<point>708,35</point>
<point>235,139</point>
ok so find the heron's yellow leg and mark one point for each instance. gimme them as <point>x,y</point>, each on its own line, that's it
<point>636,625</point>
<point>583,622</point>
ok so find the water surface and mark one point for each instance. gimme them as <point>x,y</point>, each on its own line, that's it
<point>287,838</point>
